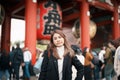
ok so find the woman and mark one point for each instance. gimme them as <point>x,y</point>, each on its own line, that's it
<point>58,60</point>
<point>88,62</point>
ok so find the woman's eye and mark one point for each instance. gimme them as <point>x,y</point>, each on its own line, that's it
<point>59,37</point>
<point>54,38</point>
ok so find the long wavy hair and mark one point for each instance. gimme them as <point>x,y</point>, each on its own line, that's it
<point>52,47</point>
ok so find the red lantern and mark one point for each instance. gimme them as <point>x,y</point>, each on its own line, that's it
<point>49,18</point>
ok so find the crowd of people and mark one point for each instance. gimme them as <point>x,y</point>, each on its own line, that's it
<point>10,63</point>
<point>100,64</point>
<point>104,62</point>
<point>60,57</point>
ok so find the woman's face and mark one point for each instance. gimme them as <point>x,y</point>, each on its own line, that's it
<point>58,40</point>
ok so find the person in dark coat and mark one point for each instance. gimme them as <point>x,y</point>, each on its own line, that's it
<point>58,60</point>
<point>4,65</point>
<point>17,60</point>
<point>11,70</point>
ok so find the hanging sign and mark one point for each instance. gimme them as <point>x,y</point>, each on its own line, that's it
<point>49,18</point>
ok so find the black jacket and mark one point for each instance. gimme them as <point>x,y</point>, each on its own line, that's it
<point>49,68</point>
<point>4,62</point>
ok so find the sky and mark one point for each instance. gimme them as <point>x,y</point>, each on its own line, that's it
<point>17,30</point>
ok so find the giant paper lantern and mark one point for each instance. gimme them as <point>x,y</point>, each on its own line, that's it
<point>76,29</point>
<point>49,16</point>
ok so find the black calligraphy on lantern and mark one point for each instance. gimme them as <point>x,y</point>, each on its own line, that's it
<point>51,4</point>
<point>52,19</point>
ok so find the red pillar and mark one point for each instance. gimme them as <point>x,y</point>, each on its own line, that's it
<point>30,36</point>
<point>116,27</point>
<point>85,23</point>
<point>5,37</point>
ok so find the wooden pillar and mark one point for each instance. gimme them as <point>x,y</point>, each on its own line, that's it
<point>30,34</point>
<point>85,23</point>
<point>5,37</point>
<point>116,27</point>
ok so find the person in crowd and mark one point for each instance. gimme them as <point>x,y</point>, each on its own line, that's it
<point>109,61</point>
<point>27,60</point>
<point>111,45</point>
<point>11,70</point>
<point>4,65</point>
<point>96,63</point>
<point>117,62</point>
<point>102,61</point>
<point>58,60</point>
<point>78,54</point>
<point>102,53</point>
<point>88,63</point>
<point>17,60</point>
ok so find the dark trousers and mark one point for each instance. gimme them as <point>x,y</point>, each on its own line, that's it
<point>96,71</point>
<point>88,72</point>
<point>11,72</point>
<point>103,73</point>
<point>16,67</point>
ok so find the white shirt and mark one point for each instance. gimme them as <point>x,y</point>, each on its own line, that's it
<point>101,55</point>
<point>81,58</point>
<point>27,56</point>
<point>60,51</point>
